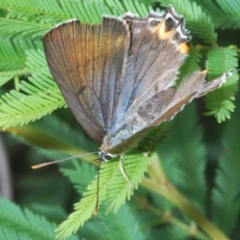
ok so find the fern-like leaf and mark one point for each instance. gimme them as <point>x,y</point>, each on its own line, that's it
<point>34,21</point>
<point>169,233</point>
<point>191,64</point>
<point>7,234</point>
<point>41,98</point>
<point>123,225</point>
<point>219,102</point>
<point>81,175</point>
<point>41,16</point>
<point>12,53</point>
<point>12,57</point>
<point>225,199</point>
<point>225,14</point>
<point>26,222</point>
<point>9,27</point>
<point>230,14</point>
<point>113,189</point>
<point>189,157</point>
<point>136,7</point>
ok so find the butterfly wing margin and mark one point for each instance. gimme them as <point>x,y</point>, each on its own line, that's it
<point>86,61</point>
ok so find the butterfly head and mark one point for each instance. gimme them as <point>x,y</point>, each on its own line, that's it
<point>105,156</point>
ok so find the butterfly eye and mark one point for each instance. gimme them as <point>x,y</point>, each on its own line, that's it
<point>108,157</point>
<point>104,156</point>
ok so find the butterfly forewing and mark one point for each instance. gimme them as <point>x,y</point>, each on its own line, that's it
<point>86,61</point>
<point>158,46</point>
<point>150,68</point>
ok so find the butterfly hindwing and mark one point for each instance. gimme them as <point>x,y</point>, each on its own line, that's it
<point>192,87</point>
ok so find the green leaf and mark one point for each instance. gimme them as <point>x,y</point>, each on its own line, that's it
<point>81,175</point>
<point>123,225</point>
<point>7,234</point>
<point>219,102</point>
<point>41,97</point>
<point>184,156</point>
<point>225,14</point>
<point>12,53</point>
<point>225,198</point>
<point>190,64</point>
<point>26,222</point>
<point>113,190</point>
<point>169,233</point>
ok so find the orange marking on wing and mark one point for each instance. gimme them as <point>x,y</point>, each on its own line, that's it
<point>183,48</point>
<point>160,29</point>
<point>204,72</point>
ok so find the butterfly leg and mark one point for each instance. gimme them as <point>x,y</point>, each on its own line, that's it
<point>123,172</point>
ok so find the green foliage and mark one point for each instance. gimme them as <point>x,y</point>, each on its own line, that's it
<point>86,171</point>
<point>39,97</point>
<point>220,102</point>
<point>113,190</point>
<point>225,199</point>
<point>123,225</point>
<point>225,14</point>
<point>7,234</point>
<point>191,152</point>
<point>190,64</point>
<point>25,222</point>
<point>158,210</point>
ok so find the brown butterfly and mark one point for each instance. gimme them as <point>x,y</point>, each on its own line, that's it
<point>116,76</point>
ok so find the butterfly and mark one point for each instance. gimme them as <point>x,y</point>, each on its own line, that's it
<point>117,76</point>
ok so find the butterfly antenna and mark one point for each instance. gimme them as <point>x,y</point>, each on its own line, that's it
<point>98,180</point>
<point>58,161</point>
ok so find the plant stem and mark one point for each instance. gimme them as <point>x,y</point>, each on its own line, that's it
<point>166,189</point>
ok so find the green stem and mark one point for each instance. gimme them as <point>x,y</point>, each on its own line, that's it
<point>165,217</point>
<point>45,141</point>
<point>166,189</point>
